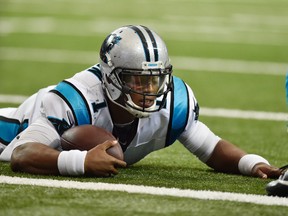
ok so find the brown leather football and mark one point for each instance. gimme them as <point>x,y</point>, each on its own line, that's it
<point>86,137</point>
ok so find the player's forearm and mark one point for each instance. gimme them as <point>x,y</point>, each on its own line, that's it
<point>35,158</point>
<point>225,157</point>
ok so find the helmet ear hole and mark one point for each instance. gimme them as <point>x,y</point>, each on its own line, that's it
<point>108,79</point>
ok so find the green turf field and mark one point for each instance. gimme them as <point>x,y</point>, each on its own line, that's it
<point>232,53</point>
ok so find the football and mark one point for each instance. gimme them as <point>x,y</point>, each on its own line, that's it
<point>86,137</point>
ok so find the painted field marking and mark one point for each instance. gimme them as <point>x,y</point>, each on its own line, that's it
<point>237,28</point>
<point>243,114</point>
<point>179,62</point>
<point>15,99</point>
<point>140,189</point>
<point>205,111</point>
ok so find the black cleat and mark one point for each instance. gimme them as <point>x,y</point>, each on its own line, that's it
<point>278,187</point>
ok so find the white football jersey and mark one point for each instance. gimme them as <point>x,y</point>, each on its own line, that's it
<point>79,100</point>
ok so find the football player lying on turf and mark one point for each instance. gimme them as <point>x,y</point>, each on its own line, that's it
<point>131,93</point>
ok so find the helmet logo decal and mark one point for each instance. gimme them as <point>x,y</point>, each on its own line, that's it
<point>108,45</point>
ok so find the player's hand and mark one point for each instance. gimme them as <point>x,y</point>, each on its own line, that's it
<point>99,163</point>
<point>265,171</point>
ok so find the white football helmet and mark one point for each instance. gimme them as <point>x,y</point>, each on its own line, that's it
<point>135,64</point>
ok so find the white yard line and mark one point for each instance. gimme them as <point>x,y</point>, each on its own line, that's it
<point>205,111</point>
<point>237,28</point>
<point>229,65</point>
<point>179,62</point>
<point>140,189</point>
<point>249,114</point>
<point>15,99</point>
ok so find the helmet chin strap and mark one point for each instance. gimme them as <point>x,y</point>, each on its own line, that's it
<point>137,110</point>
<point>137,113</point>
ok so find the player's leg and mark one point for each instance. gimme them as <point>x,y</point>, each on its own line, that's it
<point>5,114</point>
<point>15,120</point>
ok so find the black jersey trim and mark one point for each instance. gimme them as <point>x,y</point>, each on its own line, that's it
<point>96,71</point>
